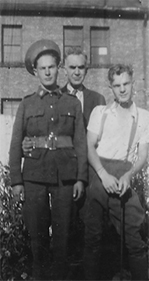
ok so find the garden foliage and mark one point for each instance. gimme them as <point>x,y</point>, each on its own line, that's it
<point>14,240</point>
<point>15,254</point>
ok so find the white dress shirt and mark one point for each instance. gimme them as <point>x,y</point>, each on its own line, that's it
<point>78,93</point>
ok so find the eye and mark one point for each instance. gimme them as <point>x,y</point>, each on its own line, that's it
<point>72,67</point>
<point>116,86</point>
<point>81,67</point>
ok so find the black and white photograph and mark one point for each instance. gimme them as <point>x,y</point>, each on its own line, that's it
<point>74,140</point>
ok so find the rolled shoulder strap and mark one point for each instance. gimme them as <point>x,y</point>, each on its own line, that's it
<point>103,119</point>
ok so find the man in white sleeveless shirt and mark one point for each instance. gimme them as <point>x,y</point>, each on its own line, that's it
<point>115,134</point>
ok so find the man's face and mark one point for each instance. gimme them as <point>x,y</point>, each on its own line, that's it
<point>47,71</point>
<point>75,68</point>
<point>122,87</point>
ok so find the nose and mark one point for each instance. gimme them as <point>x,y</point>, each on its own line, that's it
<point>122,88</point>
<point>77,72</point>
<point>47,71</point>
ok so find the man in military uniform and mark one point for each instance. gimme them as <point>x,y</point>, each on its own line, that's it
<point>75,69</point>
<point>56,165</point>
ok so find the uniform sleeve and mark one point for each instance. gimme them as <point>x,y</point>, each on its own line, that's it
<point>80,144</point>
<point>15,153</point>
<point>95,119</point>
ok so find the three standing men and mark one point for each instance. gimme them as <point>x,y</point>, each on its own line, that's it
<point>58,162</point>
<point>115,132</point>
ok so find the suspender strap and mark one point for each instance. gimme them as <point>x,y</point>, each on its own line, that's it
<point>132,133</point>
<point>103,119</point>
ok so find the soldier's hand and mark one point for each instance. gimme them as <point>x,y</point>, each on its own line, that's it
<point>27,145</point>
<point>109,182</point>
<point>78,190</point>
<point>18,193</point>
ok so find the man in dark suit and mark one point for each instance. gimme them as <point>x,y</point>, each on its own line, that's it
<point>76,69</point>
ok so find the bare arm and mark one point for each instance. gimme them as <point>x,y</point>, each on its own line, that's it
<point>124,182</point>
<point>110,183</point>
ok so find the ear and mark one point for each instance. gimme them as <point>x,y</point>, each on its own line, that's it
<point>60,65</point>
<point>86,69</point>
<point>110,85</point>
<point>35,71</point>
<point>65,71</point>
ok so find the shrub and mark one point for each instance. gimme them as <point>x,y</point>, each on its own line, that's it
<point>15,245</point>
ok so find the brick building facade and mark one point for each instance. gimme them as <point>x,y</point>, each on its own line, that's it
<point>110,31</point>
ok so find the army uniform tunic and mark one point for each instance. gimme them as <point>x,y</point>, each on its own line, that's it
<point>43,114</point>
<point>45,170</point>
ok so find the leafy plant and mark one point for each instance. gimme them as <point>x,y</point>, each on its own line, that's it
<point>15,245</point>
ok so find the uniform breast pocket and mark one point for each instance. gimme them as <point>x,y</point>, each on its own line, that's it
<point>34,121</point>
<point>68,114</point>
<point>67,120</point>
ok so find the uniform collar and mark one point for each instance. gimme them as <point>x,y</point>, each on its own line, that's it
<point>42,91</point>
<point>132,109</point>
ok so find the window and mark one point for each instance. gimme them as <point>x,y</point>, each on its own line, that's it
<point>73,36</point>
<point>99,37</point>
<point>11,44</point>
<point>9,106</point>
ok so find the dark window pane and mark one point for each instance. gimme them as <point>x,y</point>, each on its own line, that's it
<point>99,45</point>
<point>11,44</point>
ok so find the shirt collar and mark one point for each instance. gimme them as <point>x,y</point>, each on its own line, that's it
<point>42,91</point>
<point>71,89</point>
<point>132,109</point>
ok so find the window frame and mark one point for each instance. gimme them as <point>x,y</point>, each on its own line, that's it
<point>11,63</point>
<point>100,65</point>
<point>3,100</point>
<point>71,27</point>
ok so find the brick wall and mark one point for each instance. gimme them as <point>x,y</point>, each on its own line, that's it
<point>128,43</point>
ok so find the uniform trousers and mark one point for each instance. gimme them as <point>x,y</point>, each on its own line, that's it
<point>98,201</point>
<point>36,213</point>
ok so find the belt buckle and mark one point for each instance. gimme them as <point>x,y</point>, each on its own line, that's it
<point>51,142</point>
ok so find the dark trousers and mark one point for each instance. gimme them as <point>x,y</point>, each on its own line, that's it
<point>98,201</point>
<point>36,213</point>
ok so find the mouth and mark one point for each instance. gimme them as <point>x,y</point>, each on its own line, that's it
<point>48,79</point>
<point>77,79</point>
<point>123,96</point>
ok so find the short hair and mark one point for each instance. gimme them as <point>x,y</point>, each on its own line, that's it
<point>75,51</point>
<point>52,53</point>
<point>119,69</point>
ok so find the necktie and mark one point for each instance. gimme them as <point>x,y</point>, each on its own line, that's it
<point>74,92</point>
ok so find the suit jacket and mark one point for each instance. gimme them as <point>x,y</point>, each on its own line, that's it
<point>39,116</point>
<point>91,99</point>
